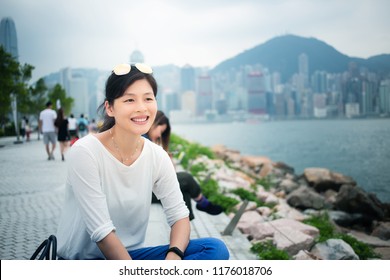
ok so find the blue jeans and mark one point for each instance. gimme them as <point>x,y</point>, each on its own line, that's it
<point>197,249</point>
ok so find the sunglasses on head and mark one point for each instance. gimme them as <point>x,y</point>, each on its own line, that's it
<point>123,69</point>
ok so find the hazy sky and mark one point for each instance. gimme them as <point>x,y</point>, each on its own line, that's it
<point>53,34</point>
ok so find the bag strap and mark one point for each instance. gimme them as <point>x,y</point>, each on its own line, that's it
<point>45,249</point>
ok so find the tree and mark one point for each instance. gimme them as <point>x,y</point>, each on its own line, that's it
<point>37,98</point>
<point>9,73</point>
<point>58,93</point>
<point>23,90</point>
<point>13,80</point>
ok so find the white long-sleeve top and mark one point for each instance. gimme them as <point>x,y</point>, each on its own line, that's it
<point>103,195</point>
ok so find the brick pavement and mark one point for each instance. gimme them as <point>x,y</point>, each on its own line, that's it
<point>31,189</point>
<point>31,194</point>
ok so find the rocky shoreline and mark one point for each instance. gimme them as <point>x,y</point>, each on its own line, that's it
<point>293,198</point>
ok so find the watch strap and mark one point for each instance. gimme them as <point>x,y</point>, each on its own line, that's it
<point>177,251</point>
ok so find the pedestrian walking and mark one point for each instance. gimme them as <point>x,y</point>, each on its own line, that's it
<point>23,127</point>
<point>92,127</point>
<point>82,126</point>
<point>62,131</point>
<point>72,125</point>
<point>28,130</point>
<point>46,126</point>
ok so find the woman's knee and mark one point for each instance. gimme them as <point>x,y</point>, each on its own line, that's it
<point>219,249</point>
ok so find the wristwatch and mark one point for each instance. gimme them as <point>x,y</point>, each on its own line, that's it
<point>177,251</point>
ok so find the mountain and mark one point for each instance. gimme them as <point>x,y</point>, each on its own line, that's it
<point>281,54</point>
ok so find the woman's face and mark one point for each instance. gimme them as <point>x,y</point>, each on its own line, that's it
<point>136,109</point>
<point>156,132</point>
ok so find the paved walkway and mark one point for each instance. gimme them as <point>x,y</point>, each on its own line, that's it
<point>31,193</point>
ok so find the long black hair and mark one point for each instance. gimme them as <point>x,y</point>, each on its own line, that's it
<point>116,86</point>
<point>162,119</point>
<point>60,118</point>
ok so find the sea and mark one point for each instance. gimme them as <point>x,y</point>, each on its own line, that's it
<point>359,148</point>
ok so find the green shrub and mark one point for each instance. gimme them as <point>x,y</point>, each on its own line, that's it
<point>227,203</point>
<point>265,182</point>
<point>364,251</point>
<point>323,224</point>
<point>247,195</point>
<point>194,150</point>
<point>197,168</point>
<point>209,187</point>
<point>211,190</point>
<point>176,140</point>
<point>8,130</point>
<point>191,150</point>
<point>268,251</point>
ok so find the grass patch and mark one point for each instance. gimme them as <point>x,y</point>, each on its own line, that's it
<point>197,168</point>
<point>364,251</point>
<point>247,195</point>
<point>265,182</point>
<point>210,189</point>
<point>322,222</point>
<point>191,150</point>
<point>268,251</point>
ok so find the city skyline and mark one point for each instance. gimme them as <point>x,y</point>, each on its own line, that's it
<point>55,35</point>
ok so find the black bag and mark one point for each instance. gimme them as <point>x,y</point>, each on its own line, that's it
<point>47,246</point>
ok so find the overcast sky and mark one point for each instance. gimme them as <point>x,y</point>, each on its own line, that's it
<point>53,34</point>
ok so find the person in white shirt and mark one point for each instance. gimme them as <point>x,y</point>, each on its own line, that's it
<point>46,126</point>
<point>111,177</point>
<point>72,126</point>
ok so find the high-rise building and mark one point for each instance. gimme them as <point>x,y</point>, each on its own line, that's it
<point>319,82</point>
<point>301,79</point>
<point>280,105</point>
<point>170,101</point>
<point>204,100</point>
<point>384,97</point>
<point>319,102</point>
<point>368,93</point>
<point>290,107</point>
<point>187,78</point>
<point>303,67</point>
<point>8,37</point>
<point>188,102</point>
<point>78,90</point>
<point>276,81</point>
<point>221,105</point>
<point>257,102</point>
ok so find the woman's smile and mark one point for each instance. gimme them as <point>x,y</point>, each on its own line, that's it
<point>140,120</point>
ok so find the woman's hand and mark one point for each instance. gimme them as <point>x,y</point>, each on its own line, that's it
<point>172,256</point>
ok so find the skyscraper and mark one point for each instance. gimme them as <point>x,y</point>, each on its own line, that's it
<point>8,37</point>
<point>204,97</point>
<point>187,78</point>
<point>303,65</point>
<point>257,102</point>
